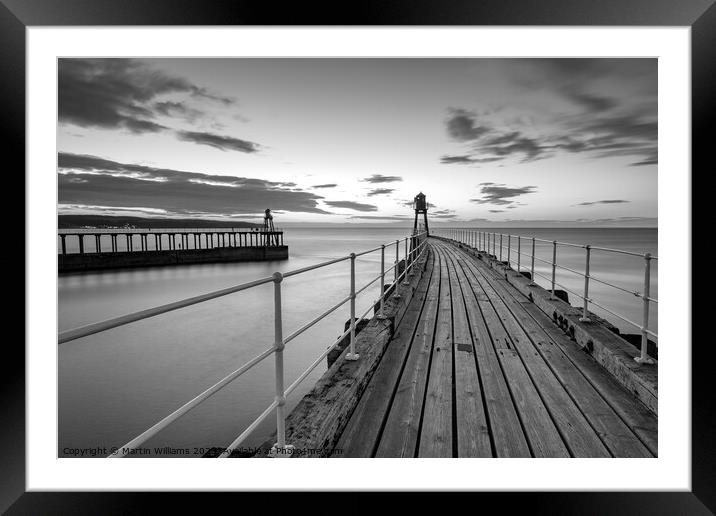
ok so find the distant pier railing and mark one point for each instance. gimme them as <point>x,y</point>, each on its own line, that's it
<point>90,240</point>
<point>413,247</point>
<point>502,245</point>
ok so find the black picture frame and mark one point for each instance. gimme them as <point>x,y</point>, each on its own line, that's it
<point>700,15</point>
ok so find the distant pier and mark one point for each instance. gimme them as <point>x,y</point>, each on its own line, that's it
<point>101,249</point>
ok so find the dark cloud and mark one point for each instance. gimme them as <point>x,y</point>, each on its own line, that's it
<point>177,109</point>
<point>223,143</point>
<point>502,194</point>
<point>126,94</point>
<point>89,180</point>
<point>380,191</point>
<point>327,185</point>
<point>143,126</point>
<point>112,93</point>
<point>488,144</point>
<point>496,211</point>
<point>463,126</point>
<point>605,201</point>
<point>466,160</point>
<point>357,206</point>
<point>380,217</point>
<point>603,127</point>
<point>456,159</point>
<point>646,161</point>
<point>378,178</point>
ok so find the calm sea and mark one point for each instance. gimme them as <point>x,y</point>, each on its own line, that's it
<point>116,384</point>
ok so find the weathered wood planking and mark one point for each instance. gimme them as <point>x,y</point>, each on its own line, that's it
<point>635,415</point>
<point>360,437</point>
<point>542,434</point>
<point>577,433</point>
<point>475,369</point>
<point>473,435</point>
<point>505,427</point>
<point>402,426</point>
<point>611,429</point>
<point>436,430</point>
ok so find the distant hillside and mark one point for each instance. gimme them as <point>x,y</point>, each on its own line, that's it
<point>105,221</point>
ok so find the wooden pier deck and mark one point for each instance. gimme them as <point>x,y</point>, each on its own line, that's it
<point>475,369</point>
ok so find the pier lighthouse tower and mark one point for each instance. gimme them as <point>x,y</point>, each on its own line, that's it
<point>421,206</point>
<point>269,228</point>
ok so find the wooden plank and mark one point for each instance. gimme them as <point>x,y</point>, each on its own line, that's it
<point>507,434</point>
<point>543,437</point>
<point>500,339</point>
<point>628,406</point>
<point>362,432</point>
<point>402,426</point>
<point>473,436</point>
<point>436,429</point>
<point>635,414</point>
<point>611,429</point>
<point>579,436</point>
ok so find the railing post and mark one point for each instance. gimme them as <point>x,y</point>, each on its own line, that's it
<point>381,314</point>
<point>397,260</point>
<point>519,252</point>
<point>532,269</point>
<point>280,448</point>
<point>554,267</point>
<point>509,249</point>
<point>500,246</point>
<point>405,265</point>
<point>644,358</point>
<point>585,309</point>
<point>352,355</point>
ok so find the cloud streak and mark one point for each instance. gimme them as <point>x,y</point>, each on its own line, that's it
<point>599,125</point>
<point>89,180</point>
<point>380,191</point>
<point>223,143</point>
<point>501,195</point>
<point>605,201</point>
<point>350,205</point>
<point>126,94</point>
<point>379,178</point>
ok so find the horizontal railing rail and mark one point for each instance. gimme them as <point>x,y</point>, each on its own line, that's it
<point>414,247</point>
<point>501,244</point>
<point>120,231</point>
<point>242,237</point>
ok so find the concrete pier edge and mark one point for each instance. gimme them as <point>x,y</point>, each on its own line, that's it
<point>76,262</point>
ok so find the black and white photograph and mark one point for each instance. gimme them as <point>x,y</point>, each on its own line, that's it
<point>409,247</point>
<point>281,257</point>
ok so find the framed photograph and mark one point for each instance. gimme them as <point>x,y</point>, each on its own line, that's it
<point>422,248</point>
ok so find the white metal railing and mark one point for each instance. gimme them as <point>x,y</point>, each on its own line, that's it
<point>251,237</point>
<point>495,243</point>
<point>415,246</point>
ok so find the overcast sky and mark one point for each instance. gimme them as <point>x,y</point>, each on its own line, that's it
<point>512,141</point>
